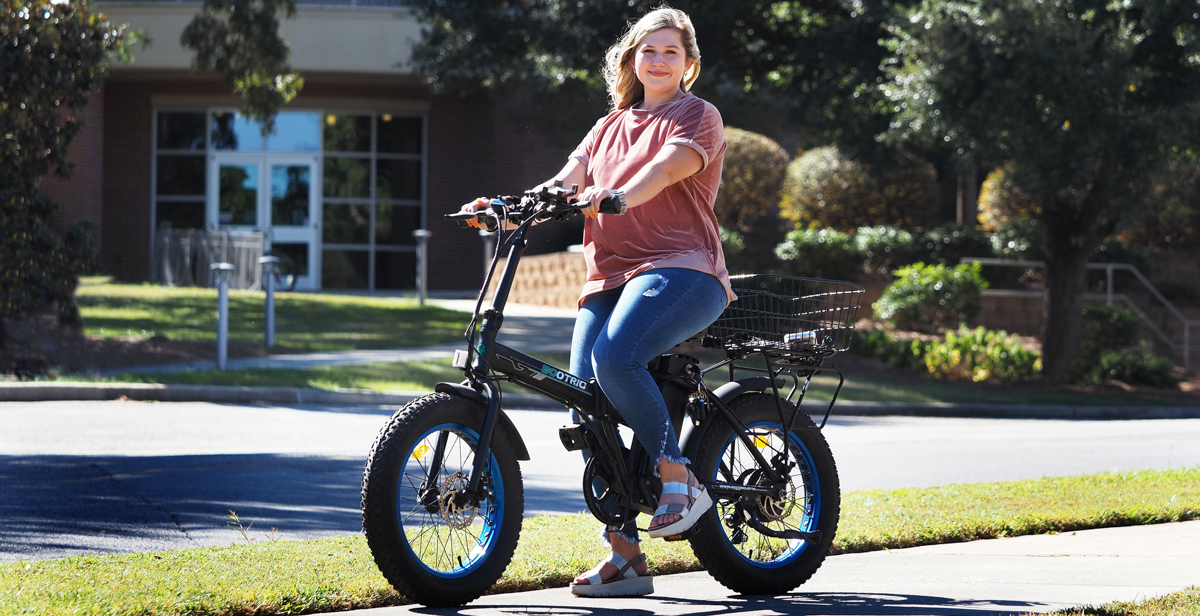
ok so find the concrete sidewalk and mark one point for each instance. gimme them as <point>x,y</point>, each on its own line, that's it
<point>1041,573</point>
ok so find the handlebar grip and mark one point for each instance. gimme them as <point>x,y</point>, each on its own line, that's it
<point>487,222</point>
<point>610,205</point>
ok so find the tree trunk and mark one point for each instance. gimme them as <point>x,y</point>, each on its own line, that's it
<point>1063,311</point>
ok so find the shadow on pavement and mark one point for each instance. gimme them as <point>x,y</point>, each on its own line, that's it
<point>63,505</point>
<point>809,604</point>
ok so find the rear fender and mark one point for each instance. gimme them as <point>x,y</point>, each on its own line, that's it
<point>725,393</point>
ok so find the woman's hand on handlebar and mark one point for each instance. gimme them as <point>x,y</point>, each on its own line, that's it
<point>481,203</point>
<point>594,196</point>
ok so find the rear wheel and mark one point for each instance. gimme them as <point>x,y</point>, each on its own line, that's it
<point>745,559</point>
<point>431,543</point>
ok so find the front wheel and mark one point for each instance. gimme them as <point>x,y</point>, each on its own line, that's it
<point>433,545</point>
<point>738,555</point>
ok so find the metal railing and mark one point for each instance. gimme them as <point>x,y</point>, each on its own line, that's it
<point>182,257</point>
<point>1110,295</point>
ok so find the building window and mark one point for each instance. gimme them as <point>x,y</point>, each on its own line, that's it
<point>374,169</point>
<point>181,170</point>
<point>372,178</point>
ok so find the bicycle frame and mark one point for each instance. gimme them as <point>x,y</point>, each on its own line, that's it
<point>566,388</point>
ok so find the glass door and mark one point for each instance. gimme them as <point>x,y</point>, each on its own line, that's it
<point>292,208</point>
<point>275,194</point>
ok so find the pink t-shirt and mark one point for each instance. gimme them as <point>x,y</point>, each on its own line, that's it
<point>677,228</point>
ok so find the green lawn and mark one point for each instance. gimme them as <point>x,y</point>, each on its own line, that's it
<point>303,321</point>
<point>423,375</point>
<point>1183,603</point>
<point>292,577</point>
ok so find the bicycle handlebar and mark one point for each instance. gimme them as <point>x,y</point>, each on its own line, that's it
<point>550,202</point>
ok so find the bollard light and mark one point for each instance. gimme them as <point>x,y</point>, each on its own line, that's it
<point>422,236</point>
<point>270,270</point>
<point>489,248</point>
<point>222,272</point>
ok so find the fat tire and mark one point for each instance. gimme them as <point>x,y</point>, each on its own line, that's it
<point>402,569</point>
<point>711,545</point>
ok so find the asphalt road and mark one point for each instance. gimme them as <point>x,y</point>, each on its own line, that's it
<point>84,477</point>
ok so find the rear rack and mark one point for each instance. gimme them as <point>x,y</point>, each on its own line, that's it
<point>787,315</point>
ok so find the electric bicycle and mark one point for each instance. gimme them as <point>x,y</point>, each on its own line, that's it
<point>442,495</point>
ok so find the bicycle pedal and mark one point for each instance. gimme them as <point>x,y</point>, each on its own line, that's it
<point>685,535</point>
<point>572,438</point>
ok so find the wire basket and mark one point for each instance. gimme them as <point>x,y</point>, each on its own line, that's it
<point>787,313</point>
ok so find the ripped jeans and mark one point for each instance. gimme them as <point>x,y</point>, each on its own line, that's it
<point>618,332</point>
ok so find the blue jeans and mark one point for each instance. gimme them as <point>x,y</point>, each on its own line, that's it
<point>618,332</point>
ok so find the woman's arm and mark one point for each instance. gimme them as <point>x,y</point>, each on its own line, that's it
<point>673,163</point>
<point>574,172</point>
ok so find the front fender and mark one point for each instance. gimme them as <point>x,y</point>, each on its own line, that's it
<point>506,424</point>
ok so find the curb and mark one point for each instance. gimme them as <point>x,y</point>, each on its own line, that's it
<point>40,392</point>
<point>1012,411</point>
<point>146,392</point>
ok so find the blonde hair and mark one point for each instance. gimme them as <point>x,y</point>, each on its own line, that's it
<point>624,89</point>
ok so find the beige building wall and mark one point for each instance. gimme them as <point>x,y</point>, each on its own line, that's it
<point>341,39</point>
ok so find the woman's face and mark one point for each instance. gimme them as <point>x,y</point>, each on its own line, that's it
<point>661,61</point>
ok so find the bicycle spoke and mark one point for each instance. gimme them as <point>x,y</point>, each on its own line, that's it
<point>447,539</point>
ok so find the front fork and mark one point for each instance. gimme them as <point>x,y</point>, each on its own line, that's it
<point>473,495</point>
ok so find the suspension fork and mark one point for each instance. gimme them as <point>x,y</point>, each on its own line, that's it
<point>429,487</point>
<point>493,319</point>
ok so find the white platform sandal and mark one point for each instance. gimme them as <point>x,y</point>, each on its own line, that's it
<point>698,502</point>
<point>626,583</point>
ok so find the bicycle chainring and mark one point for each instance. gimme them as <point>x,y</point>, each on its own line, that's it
<point>599,491</point>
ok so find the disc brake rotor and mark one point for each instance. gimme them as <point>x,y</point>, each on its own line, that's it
<point>458,517</point>
<point>778,508</point>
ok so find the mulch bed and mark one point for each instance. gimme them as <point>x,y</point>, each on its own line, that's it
<point>38,346</point>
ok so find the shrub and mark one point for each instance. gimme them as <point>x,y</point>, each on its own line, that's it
<point>750,180</point>
<point>899,354</point>
<point>825,188</point>
<point>925,298</point>
<point>1105,351</point>
<point>731,241</point>
<point>883,248</point>
<point>949,243</point>
<point>747,205</point>
<point>979,354</point>
<point>823,253</point>
<point>1136,367</point>
<point>1019,240</point>
<point>1001,203</point>
<point>1106,328</point>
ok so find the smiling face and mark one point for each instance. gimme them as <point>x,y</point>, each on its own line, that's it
<point>660,62</point>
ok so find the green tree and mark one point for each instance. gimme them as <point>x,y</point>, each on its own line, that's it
<point>240,40</point>
<point>1084,99</point>
<point>52,57</point>
<point>771,67</point>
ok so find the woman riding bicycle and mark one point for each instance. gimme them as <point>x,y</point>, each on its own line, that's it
<point>656,273</point>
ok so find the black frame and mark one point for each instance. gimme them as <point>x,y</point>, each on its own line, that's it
<point>587,398</point>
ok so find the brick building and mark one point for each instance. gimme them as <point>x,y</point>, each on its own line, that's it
<point>361,158</point>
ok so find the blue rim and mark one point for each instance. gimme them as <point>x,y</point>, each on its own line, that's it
<point>809,474</point>
<point>490,534</point>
